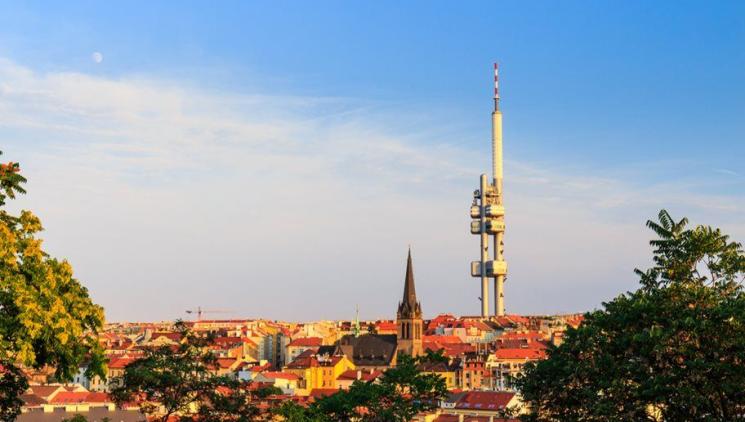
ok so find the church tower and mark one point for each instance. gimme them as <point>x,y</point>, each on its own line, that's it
<point>409,317</point>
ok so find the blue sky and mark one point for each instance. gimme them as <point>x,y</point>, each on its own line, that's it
<point>204,125</point>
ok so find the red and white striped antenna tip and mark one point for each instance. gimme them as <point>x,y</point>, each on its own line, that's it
<point>496,81</point>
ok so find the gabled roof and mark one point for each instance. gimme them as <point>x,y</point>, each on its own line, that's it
<point>386,326</point>
<point>229,341</point>
<point>356,374</point>
<point>485,400</point>
<point>279,375</point>
<point>443,339</point>
<point>521,344</point>
<point>370,349</point>
<point>532,335</point>
<point>45,391</point>
<point>527,354</point>
<point>226,363</point>
<point>72,397</point>
<point>120,362</point>
<point>482,400</point>
<point>449,349</point>
<point>306,342</point>
<point>311,359</point>
<point>30,400</point>
<point>322,392</point>
<point>174,337</point>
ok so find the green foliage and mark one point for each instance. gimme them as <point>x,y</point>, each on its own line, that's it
<point>398,395</point>
<point>10,181</point>
<point>12,385</point>
<point>46,315</point>
<point>179,379</point>
<point>672,350</point>
<point>431,356</point>
<point>290,411</point>
<point>264,392</point>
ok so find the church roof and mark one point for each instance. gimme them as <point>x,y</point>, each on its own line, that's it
<point>369,349</point>
<point>409,307</point>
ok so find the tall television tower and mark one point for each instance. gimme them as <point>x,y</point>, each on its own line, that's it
<point>487,212</point>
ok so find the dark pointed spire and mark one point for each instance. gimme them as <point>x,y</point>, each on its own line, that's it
<point>409,306</point>
<point>409,289</point>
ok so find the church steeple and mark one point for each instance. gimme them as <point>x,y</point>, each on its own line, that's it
<point>409,306</point>
<point>409,316</point>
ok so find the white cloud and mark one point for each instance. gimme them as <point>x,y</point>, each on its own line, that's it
<point>165,196</point>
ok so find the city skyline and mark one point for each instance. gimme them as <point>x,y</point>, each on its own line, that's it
<point>287,183</point>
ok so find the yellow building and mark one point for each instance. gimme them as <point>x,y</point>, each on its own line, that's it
<point>319,369</point>
<point>444,370</point>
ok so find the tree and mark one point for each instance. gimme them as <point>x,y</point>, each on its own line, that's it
<point>264,392</point>
<point>47,318</point>
<point>434,356</point>
<point>290,411</point>
<point>179,379</point>
<point>397,396</point>
<point>672,350</point>
<point>12,384</point>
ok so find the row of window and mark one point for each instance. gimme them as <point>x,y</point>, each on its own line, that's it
<point>406,330</point>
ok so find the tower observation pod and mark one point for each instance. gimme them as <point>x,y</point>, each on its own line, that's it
<point>487,213</point>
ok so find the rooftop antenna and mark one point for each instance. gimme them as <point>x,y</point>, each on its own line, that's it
<point>496,86</point>
<point>356,328</point>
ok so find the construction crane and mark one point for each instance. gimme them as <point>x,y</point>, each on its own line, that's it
<point>199,311</point>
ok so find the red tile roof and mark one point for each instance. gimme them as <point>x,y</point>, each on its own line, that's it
<point>30,400</point>
<point>442,339</point>
<point>484,400</point>
<point>449,349</point>
<point>44,391</point>
<point>120,363</point>
<point>255,367</point>
<point>322,392</point>
<point>454,418</point>
<point>171,336</point>
<point>386,326</point>
<point>310,360</point>
<point>521,344</point>
<point>71,397</point>
<point>306,342</point>
<point>353,374</point>
<point>98,397</point>
<point>280,375</point>
<point>532,335</point>
<point>519,319</point>
<point>439,320</point>
<point>225,363</point>
<point>527,354</point>
<point>229,341</point>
